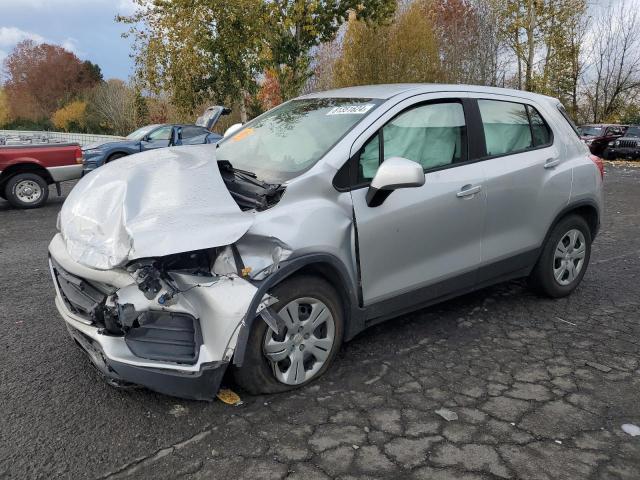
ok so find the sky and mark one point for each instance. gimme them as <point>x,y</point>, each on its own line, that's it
<point>86,27</point>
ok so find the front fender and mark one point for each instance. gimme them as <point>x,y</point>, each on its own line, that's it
<point>355,315</point>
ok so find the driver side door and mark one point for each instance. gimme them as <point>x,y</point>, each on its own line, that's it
<point>425,242</point>
<point>158,138</point>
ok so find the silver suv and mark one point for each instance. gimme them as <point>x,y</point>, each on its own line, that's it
<point>323,216</point>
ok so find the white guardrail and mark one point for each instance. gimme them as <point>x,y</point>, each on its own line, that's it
<point>26,137</point>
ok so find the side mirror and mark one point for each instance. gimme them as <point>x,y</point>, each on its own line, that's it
<point>394,173</point>
<point>232,129</point>
<point>176,137</point>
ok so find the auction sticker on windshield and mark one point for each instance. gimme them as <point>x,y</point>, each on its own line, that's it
<point>242,134</point>
<point>350,110</point>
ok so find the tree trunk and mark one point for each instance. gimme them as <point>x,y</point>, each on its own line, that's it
<point>531,43</point>
<point>243,106</point>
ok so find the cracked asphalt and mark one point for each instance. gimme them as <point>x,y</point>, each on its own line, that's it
<point>540,388</point>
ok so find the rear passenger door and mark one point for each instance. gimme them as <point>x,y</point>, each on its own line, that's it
<point>527,184</point>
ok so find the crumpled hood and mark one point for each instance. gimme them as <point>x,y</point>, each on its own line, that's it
<point>151,204</point>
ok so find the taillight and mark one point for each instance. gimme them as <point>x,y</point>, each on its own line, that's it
<point>598,161</point>
<point>79,156</point>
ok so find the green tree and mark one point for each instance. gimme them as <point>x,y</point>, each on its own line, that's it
<point>545,37</point>
<point>404,51</point>
<point>295,27</point>
<point>141,109</point>
<point>198,50</point>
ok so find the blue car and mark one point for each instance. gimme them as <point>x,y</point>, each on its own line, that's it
<point>155,136</point>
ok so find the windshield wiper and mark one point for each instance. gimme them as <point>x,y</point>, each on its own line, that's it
<point>247,190</point>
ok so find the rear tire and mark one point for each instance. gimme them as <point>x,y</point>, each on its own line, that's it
<point>297,343</point>
<point>564,259</point>
<point>27,190</point>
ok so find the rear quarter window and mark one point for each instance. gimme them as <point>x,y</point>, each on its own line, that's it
<point>566,116</point>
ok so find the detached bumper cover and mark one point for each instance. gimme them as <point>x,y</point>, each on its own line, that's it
<point>200,385</point>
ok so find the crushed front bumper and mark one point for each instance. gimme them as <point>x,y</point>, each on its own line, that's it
<point>201,385</point>
<point>135,359</point>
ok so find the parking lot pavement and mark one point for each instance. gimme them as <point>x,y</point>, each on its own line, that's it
<point>539,388</point>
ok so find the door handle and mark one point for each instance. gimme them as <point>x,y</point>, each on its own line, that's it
<point>468,190</point>
<point>551,162</point>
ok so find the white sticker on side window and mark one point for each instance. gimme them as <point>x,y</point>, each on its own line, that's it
<point>350,110</point>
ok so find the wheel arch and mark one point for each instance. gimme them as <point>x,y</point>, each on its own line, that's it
<point>587,209</point>
<point>119,153</point>
<point>323,265</point>
<point>27,167</point>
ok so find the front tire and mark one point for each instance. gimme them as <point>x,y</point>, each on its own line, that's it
<point>564,259</point>
<point>307,344</point>
<point>115,156</point>
<point>27,190</point>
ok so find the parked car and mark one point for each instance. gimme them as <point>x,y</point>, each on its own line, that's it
<point>155,136</point>
<point>27,171</point>
<point>625,147</point>
<point>597,137</point>
<point>324,216</point>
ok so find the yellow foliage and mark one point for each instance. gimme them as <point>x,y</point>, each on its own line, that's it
<point>404,51</point>
<point>5,116</point>
<point>71,117</point>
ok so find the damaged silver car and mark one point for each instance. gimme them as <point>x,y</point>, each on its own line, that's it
<point>323,216</point>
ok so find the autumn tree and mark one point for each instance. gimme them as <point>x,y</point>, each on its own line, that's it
<point>468,40</point>
<point>295,27</point>
<point>563,31</point>
<point>111,108</point>
<point>40,78</point>
<point>71,117</point>
<point>269,94</point>
<point>5,114</point>
<point>406,50</point>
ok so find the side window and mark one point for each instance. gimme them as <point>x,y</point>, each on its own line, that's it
<point>539,128</point>
<point>190,132</point>
<point>506,127</point>
<point>433,135</point>
<point>163,133</point>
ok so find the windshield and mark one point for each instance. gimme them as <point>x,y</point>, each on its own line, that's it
<point>140,133</point>
<point>633,132</point>
<point>291,138</point>
<point>591,131</point>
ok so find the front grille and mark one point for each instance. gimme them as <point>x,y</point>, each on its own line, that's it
<point>80,297</point>
<point>628,143</point>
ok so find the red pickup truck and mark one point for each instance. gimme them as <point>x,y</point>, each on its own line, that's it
<point>26,171</point>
